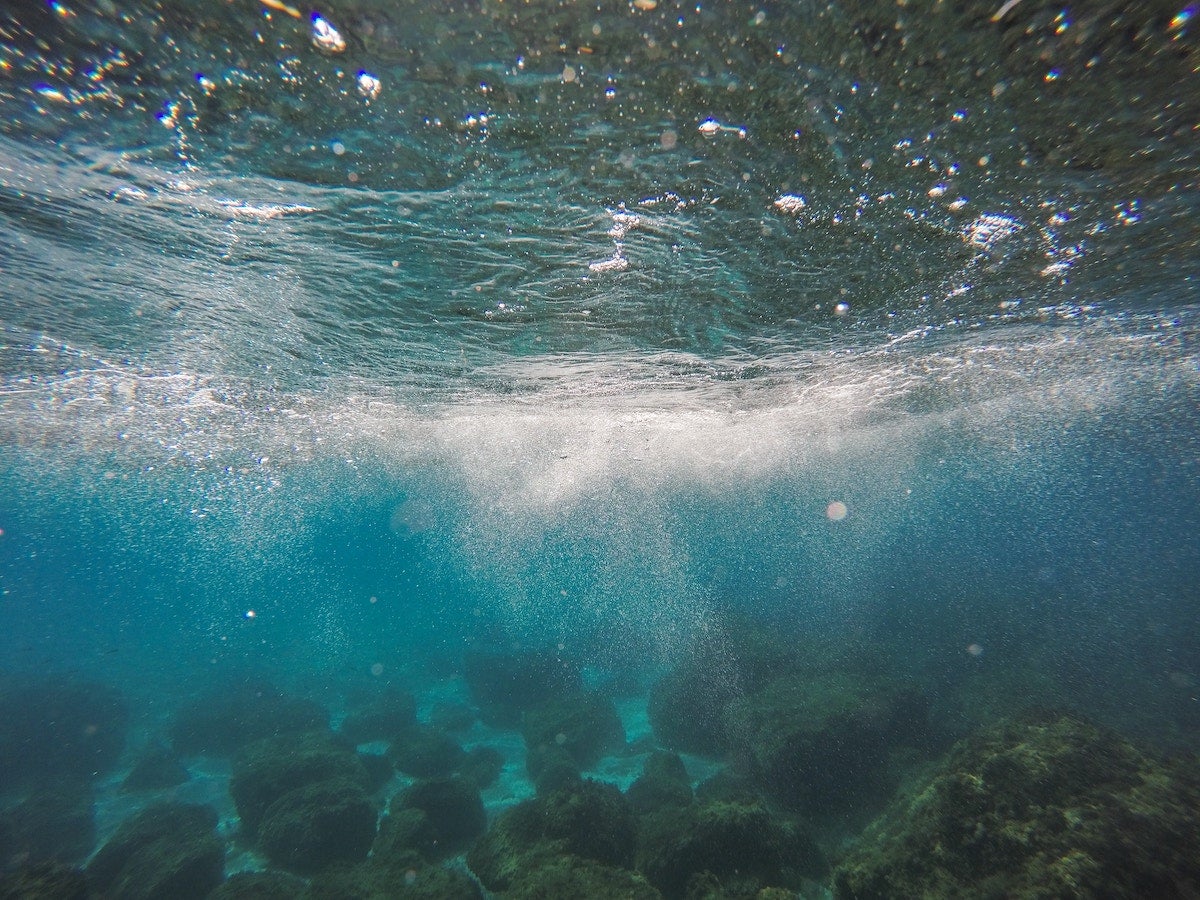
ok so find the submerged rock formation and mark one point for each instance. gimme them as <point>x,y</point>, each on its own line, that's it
<point>1044,806</point>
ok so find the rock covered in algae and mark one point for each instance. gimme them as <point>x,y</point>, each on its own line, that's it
<point>823,743</point>
<point>318,825</point>
<point>372,880</point>
<point>269,769</point>
<point>591,820</point>
<point>740,847</point>
<point>664,782</point>
<point>450,815</point>
<point>168,851</point>
<point>1046,806</point>
<point>570,876</point>
<point>585,724</point>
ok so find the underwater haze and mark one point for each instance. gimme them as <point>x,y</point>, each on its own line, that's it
<point>741,421</point>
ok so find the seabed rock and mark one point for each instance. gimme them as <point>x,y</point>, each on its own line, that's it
<point>169,851</point>
<point>585,725</point>
<point>591,820</point>
<point>1045,806</point>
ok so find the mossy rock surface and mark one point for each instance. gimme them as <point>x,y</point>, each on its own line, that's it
<point>453,813</point>
<point>737,845</point>
<point>591,820</point>
<point>372,880</point>
<point>1046,806</point>
<point>50,826</point>
<point>259,886</point>
<point>585,725</point>
<point>44,881</point>
<point>424,751</point>
<point>271,768</point>
<point>822,744</point>
<point>664,782</point>
<point>316,826</point>
<point>169,851</point>
<point>569,876</point>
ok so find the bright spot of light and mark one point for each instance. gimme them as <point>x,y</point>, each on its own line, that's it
<point>975,650</point>
<point>368,85</point>
<point>250,614</point>
<point>325,36</point>
<point>836,511</point>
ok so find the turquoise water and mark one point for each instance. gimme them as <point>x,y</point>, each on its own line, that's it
<point>613,332</point>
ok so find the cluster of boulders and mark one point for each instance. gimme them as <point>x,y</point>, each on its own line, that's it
<point>803,744</point>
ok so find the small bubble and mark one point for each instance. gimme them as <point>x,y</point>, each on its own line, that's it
<point>975,650</point>
<point>560,738</point>
<point>569,74</point>
<point>338,148</point>
<point>250,614</point>
<point>836,511</point>
<point>374,599</point>
<point>668,139</point>
<point>376,669</point>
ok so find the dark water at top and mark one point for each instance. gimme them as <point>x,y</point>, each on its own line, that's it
<point>597,327</point>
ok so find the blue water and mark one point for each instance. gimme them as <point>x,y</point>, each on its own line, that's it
<point>598,330</point>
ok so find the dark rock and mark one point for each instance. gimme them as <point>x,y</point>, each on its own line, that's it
<point>44,881</point>
<point>381,719</point>
<point>373,881</point>
<point>313,827</point>
<point>404,839</point>
<point>1046,806</point>
<point>515,843</point>
<point>742,845</point>
<point>664,782</point>
<point>56,730</point>
<point>551,767</point>
<point>267,770</point>
<point>378,768</point>
<point>592,821</point>
<point>585,725</point>
<point>454,812</point>
<point>169,851</point>
<point>259,886</point>
<point>426,752</point>
<point>225,720</point>
<point>49,826</point>
<point>506,684</point>
<point>571,877</point>
<point>823,744</point>
<point>157,768</point>
<point>729,786</point>
<point>483,766</point>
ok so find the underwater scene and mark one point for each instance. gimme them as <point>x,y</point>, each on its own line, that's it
<point>709,450</point>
